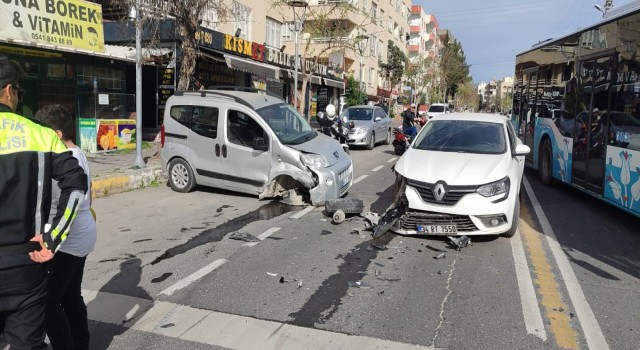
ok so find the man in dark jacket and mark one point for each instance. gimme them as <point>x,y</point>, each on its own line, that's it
<point>408,119</point>
<point>30,156</point>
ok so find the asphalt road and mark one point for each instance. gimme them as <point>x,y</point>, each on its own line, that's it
<point>166,275</point>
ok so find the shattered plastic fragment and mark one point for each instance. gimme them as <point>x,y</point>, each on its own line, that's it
<point>299,284</point>
<point>247,237</point>
<point>440,256</point>
<point>436,249</point>
<point>379,247</point>
<point>388,219</point>
<point>272,274</point>
<point>354,232</point>
<point>359,284</point>
<point>460,242</point>
<point>167,325</point>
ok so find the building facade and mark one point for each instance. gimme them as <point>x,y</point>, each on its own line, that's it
<point>423,50</point>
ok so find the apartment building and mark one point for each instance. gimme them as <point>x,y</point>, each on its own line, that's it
<point>424,49</point>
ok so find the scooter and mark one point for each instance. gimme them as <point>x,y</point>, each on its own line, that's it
<point>400,141</point>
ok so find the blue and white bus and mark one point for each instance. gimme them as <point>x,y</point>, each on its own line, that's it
<point>577,105</point>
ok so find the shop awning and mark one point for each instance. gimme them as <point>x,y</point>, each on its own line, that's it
<point>313,79</point>
<point>334,83</point>
<point>252,67</point>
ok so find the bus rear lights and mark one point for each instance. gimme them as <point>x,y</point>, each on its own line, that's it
<point>493,220</point>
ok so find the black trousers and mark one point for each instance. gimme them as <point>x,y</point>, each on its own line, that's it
<point>23,292</point>
<point>67,325</point>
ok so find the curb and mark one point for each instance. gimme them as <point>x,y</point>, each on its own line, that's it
<point>131,180</point>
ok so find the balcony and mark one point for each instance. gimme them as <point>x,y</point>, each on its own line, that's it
<point>414,48</point>
<point>415,29</point>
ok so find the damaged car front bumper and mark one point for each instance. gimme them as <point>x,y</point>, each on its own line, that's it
<point>332,182</point>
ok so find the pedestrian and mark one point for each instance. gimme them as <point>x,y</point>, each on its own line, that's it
<point>408,119</point>
<point>66,321</point>
<point>30,156</point>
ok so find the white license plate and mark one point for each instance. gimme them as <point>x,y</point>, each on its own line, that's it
<point>438,229</point>
<point>345,177</point>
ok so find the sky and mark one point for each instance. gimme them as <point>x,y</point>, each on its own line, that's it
<point>493,33</point>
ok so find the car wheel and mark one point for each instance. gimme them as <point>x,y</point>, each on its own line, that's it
<point>388,139</point>
<point>544,163</point>
<point>514,220</point>
<point>372,141</point>
<point>181,177</point>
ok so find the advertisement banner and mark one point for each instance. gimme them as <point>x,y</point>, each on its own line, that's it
<point>116,134</point>
<point>88,133</point>
<point>72,23</point>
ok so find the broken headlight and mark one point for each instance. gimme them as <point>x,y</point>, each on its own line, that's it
<point>313,161</point>
<point>497,188</point>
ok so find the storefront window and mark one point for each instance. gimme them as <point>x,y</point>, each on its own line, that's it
<point>105,78</point>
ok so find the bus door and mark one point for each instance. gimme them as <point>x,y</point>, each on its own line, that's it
<point>589,137</point>
<point>528,110</point>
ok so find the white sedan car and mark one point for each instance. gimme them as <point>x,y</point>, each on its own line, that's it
<point>461,176</point>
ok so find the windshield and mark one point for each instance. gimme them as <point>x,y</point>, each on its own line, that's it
<point>462,136</point>
<point>358,113</point>
<point>288,125</point>
<point>623,119</point>
<point>436,109</point>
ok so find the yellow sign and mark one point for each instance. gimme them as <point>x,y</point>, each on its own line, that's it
<point>70,23</point>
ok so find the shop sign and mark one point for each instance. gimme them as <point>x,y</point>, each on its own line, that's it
<point>164,94</point>
<point>70,23</point>
<point>24,51</point>
<point>166,76</point>
<point>244,47</point>
<point>259,83</point>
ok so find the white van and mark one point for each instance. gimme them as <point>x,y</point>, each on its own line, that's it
<point>249,141</point>
<point>437,109</point>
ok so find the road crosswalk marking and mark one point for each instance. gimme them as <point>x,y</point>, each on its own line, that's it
<point>221,329</point>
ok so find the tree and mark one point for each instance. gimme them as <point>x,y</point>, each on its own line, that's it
<point>325,30</point>
<point>355,96</point>
<point>453,68</point>
<point>394,67</point>
<point>467,95</point>
<point>188,15</point>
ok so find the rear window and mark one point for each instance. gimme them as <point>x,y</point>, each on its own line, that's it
<point>462,136</point>
<point>436,109</point>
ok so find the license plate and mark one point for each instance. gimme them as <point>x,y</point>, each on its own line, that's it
<point>438,229</point>
<point>345,177</point>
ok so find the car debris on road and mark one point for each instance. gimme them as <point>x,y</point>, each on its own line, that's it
<point>339,208</point>
<point>460,242</point>
<point>247,237</point>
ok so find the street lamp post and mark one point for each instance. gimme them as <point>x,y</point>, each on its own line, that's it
<point>298,16</point>
<point>361,47</point>
<point>139,161</point>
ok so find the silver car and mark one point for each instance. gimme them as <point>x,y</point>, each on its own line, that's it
<point>368,125</point>
<point>250,141</point>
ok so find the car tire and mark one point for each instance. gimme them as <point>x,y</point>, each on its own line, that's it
<point>347,205</point>
<point>514,220</point>
<point>545,163</point>
<point>372,141</point>
<point>387,141</point>
<point>181,178</point>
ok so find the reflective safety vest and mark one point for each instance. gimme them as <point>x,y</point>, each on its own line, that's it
<point>30,156</point>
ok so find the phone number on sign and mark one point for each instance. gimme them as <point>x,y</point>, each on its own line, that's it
<point>51,39</point>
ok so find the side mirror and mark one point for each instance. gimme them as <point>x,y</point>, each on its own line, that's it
<point>259,144</point>
<point>521,150</point>
<point>377,119</point>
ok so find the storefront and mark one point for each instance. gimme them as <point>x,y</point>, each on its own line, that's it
<point>66,62</point>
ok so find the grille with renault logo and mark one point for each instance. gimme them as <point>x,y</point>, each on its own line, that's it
<point>440,192</point>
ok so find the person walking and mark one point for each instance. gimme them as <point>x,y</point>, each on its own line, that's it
<point>30,156</point>
<point>66,321</point>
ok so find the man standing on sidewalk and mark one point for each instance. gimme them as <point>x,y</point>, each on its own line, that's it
<point>30,156</point>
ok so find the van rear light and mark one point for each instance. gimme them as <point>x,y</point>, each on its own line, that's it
<point>162,135</point>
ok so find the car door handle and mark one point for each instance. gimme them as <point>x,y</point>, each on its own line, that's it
<point>224,151</point>
<point>217,150</point>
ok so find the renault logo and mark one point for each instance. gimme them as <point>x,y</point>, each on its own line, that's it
<point>336,154</point>
<point>439,191</point>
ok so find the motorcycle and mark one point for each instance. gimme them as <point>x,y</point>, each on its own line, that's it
<point>331,125</point>
<point>400,141</point>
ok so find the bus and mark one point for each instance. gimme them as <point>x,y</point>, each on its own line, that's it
<point>576,104</point>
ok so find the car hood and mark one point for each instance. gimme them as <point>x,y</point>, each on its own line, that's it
<point>324,145</point>
<point>453,168</point>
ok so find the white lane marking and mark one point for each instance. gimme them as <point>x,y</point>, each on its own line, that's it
<point>377,168</point>
<point>392,160</point>
<point>590,327</point>
<point>220,329</point>
<point>530,307</point>
<point>360,179</point>
<point>301,213</point>
<point>194,277</point>
<point>263,235</point>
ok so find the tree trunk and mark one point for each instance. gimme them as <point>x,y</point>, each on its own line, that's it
<point>189,58</point>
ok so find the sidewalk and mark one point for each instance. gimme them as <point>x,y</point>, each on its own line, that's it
<point>112,172</point>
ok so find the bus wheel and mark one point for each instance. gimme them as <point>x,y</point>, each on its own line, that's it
<point>544,163</point>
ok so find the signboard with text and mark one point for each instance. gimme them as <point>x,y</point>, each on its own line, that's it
<point>72,23</point>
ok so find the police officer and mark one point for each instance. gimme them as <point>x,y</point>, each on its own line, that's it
<point>30,156</point>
